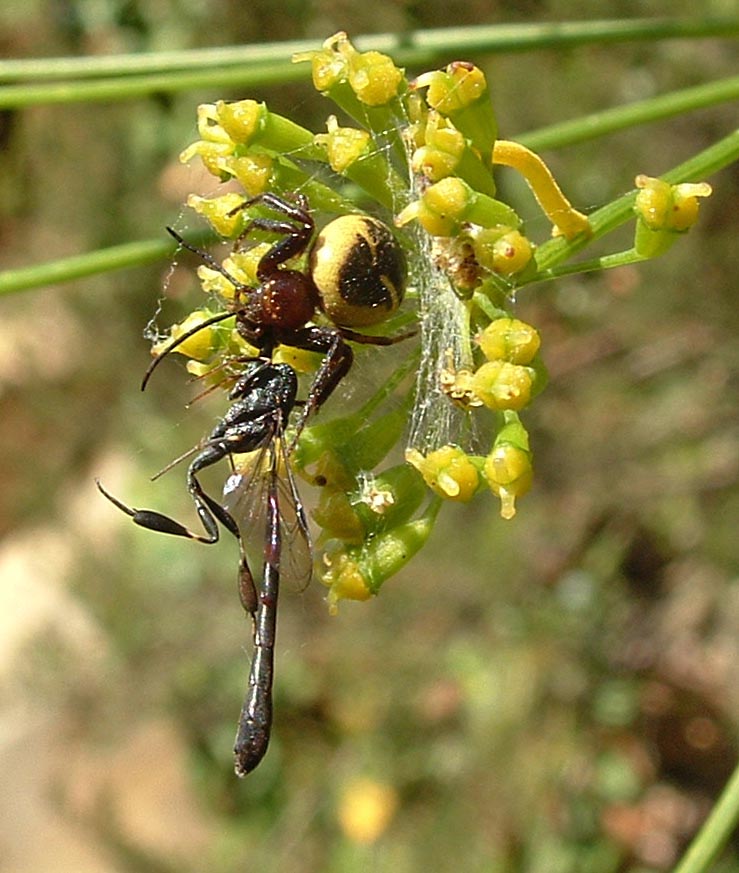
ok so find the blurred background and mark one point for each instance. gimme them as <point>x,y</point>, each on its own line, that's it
<point>552,693</point>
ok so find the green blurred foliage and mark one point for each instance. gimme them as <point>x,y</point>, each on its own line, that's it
<point>553,693</point>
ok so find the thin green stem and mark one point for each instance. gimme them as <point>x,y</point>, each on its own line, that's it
<point>607,262</point>
<point>621,117</point>
<point>133,254</point>
<point>134,86</point>
<point>416,44</point>
<point>103,66</point>
<point>716,830</point>
<point>270,63</point>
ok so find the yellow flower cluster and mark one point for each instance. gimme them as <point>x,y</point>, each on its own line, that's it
<point>428,145</point>
<point>503,383</point>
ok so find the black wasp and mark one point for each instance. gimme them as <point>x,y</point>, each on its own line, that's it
<point>355,275</point>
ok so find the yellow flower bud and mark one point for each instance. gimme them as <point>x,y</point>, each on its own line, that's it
<point>344,145</point>
<point>440,208</point>
<point>686,205</point>
<point>502,250</point>
<point>211,154</point>
<point>653,202</point>
<point>442,149</point>
<point>502,385</point>
<point>374,78</point>
<point>344,579</point>
<point>241,120</point>
<point>447,197</point>
<point>509,473</point>
<point>455,88</point>
<point>209,126</point>
<point>220,212</point>
<point>448,204</point>
<point>253,171</point>
<point>441,134</point>
<point>329,64</point>
<point>448,471</point>
<point>508,339</point>
<point>433,163</point>
<point>662,206</point>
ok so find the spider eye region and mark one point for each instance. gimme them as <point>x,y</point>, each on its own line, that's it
<point>359,270</point>
<point>287,300</point>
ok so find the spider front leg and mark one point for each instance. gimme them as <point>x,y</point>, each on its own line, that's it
<point>296,232</point>
<point>338,358</point>
<point>337,361</point>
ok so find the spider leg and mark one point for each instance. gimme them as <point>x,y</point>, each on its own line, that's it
<point>337,361</point>
<point>296,234</point>
<point>369,340</point>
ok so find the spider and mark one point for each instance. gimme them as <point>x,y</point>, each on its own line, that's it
<point>356,276</point>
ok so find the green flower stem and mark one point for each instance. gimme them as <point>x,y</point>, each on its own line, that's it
<point>621,210</point>
<point>607,262</point>
<point>406,48</point>
<point>645,111</point>
<point>103,66</point>
<point>715,832</point>
<point>134,254</point>
<point>111,89</point>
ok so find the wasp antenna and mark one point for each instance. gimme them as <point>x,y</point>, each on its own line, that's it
<point>176,461</point>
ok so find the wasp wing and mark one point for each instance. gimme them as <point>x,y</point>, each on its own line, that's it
<point>246,497</point>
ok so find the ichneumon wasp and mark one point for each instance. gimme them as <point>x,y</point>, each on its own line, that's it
<point>356,276</point>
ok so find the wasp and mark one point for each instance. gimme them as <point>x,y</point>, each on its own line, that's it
<point>355,276</point>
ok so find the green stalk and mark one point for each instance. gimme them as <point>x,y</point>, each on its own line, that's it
<point>111,89</point>
<point>716,830</point>
<point>406,48</point>
<point>121,257</point>
<point>620,117</point>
